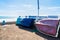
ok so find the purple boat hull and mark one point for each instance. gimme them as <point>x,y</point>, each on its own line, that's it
<point>48,27</point>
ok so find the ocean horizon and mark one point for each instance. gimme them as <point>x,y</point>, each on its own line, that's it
<point>12,18</point>
<point>8,17</point>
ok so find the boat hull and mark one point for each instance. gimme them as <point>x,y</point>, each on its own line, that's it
<point>49,27</point>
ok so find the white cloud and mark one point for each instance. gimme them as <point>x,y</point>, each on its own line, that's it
<point>16,10</point>
<point>12,6</point>
<point>29,9</point>
<point>50,10</point>
<point>27,5</point>
<point>53,7</point>
<point>45,0</point>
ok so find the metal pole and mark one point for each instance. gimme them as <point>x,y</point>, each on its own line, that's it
<point>38,6</point>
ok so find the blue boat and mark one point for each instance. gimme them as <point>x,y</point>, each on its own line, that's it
<point>18,21</point>
<point>27,22</point>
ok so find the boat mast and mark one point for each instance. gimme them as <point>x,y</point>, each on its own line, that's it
<point>38,9</point>
<point>38,6</point>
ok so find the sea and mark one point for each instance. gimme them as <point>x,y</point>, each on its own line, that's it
<point>41,17</point>
<point>6,17</point>
<point>12,18</point>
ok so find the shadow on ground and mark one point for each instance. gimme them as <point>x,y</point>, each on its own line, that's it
<point>47,37</point>
<point>39,34</point>
<point>28,29</point>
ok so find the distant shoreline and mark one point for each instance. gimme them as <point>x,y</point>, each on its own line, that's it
<point>14,22</point>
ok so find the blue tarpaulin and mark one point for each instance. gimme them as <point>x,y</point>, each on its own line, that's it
<point>27,22</point>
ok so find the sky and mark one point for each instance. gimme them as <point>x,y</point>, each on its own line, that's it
<point>29,7</point>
